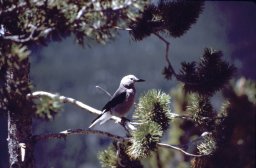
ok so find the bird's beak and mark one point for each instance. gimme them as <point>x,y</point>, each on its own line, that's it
<point>140,80</point>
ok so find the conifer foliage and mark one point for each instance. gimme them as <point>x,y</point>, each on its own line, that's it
<point>154,106</point>
<point>207,76</point>
<point>172,17</point>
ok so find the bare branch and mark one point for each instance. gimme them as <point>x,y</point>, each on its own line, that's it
<point>70,100</point>
<point>64,134</point>
<point>179,149</point>
<point>122,28</point>
<point>80,13</point>
<point>104,90</point>
<point>167,43</point>
<point>69,132</point>
<point>170,67</point>
<point>77,103</point>
<point>17,38</point>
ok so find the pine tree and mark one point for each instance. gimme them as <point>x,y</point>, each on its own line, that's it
<point>221,135</point>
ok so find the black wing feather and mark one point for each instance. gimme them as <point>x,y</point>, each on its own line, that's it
<point>117,99</point>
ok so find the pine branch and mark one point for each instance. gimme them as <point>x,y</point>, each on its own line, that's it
<point>209,75</point>
<point>169,70</point>
<point>172,17</point>
<point>69,132</point>
<point>96,20</point>
<point>37,3</point>
<point>178,149</point>
<point>24,39</point>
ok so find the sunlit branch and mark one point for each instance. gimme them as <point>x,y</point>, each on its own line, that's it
<point>104,90</point>
<point>122,28</point>
<point>77,103</point>
<point>179,149</point>
<point>23,39</point>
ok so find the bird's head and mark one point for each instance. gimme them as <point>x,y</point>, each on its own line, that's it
<point>129,80</point>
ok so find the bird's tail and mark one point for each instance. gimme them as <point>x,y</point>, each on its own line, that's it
<point>102,118</point>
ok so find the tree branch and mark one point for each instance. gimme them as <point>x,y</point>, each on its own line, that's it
<point>77,103</point>
<point>104,90</point>
<point>13,7</point>
<point>170,68</point>
<point>21,5</point>
<point>178,149</point>
<point>63,99</point>
<point>167,43</point>
<point>64,134</point>
<point>17,38</point>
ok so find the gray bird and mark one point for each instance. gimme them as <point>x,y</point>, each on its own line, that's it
<point>121,102</point>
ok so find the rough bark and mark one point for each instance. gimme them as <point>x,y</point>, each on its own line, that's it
<point>19,131</point>
<point>20,110</point>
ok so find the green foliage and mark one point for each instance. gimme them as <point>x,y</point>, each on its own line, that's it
<point>47,108</point>
<point>167,16</point>
<point>108,157</point>
<point>235,132</point>
<point>246,87</point>
<point>202,111</point>
<point>20,51</point>
<point>17,66</point>
<point>116,156</point>
<point>154,106</point>
<point>207,146</point>
<point>144,140</point>
<point>208,76</point>
<point>152,112</point>
<point>95,20</point>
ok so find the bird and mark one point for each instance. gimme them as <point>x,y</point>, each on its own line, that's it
<point>121,101</point>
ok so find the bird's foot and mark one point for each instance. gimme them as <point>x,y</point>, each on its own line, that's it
<point>124,120</point>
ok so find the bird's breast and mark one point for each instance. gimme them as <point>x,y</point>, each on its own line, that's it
<point>121,109</point>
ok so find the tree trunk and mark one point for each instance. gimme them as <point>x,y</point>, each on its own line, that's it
<point>19,131</point>
<point>20,111</point>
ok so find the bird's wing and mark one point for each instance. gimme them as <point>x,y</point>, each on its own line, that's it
<point>118,97</point>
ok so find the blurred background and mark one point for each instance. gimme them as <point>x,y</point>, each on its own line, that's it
<point>70,70</point>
